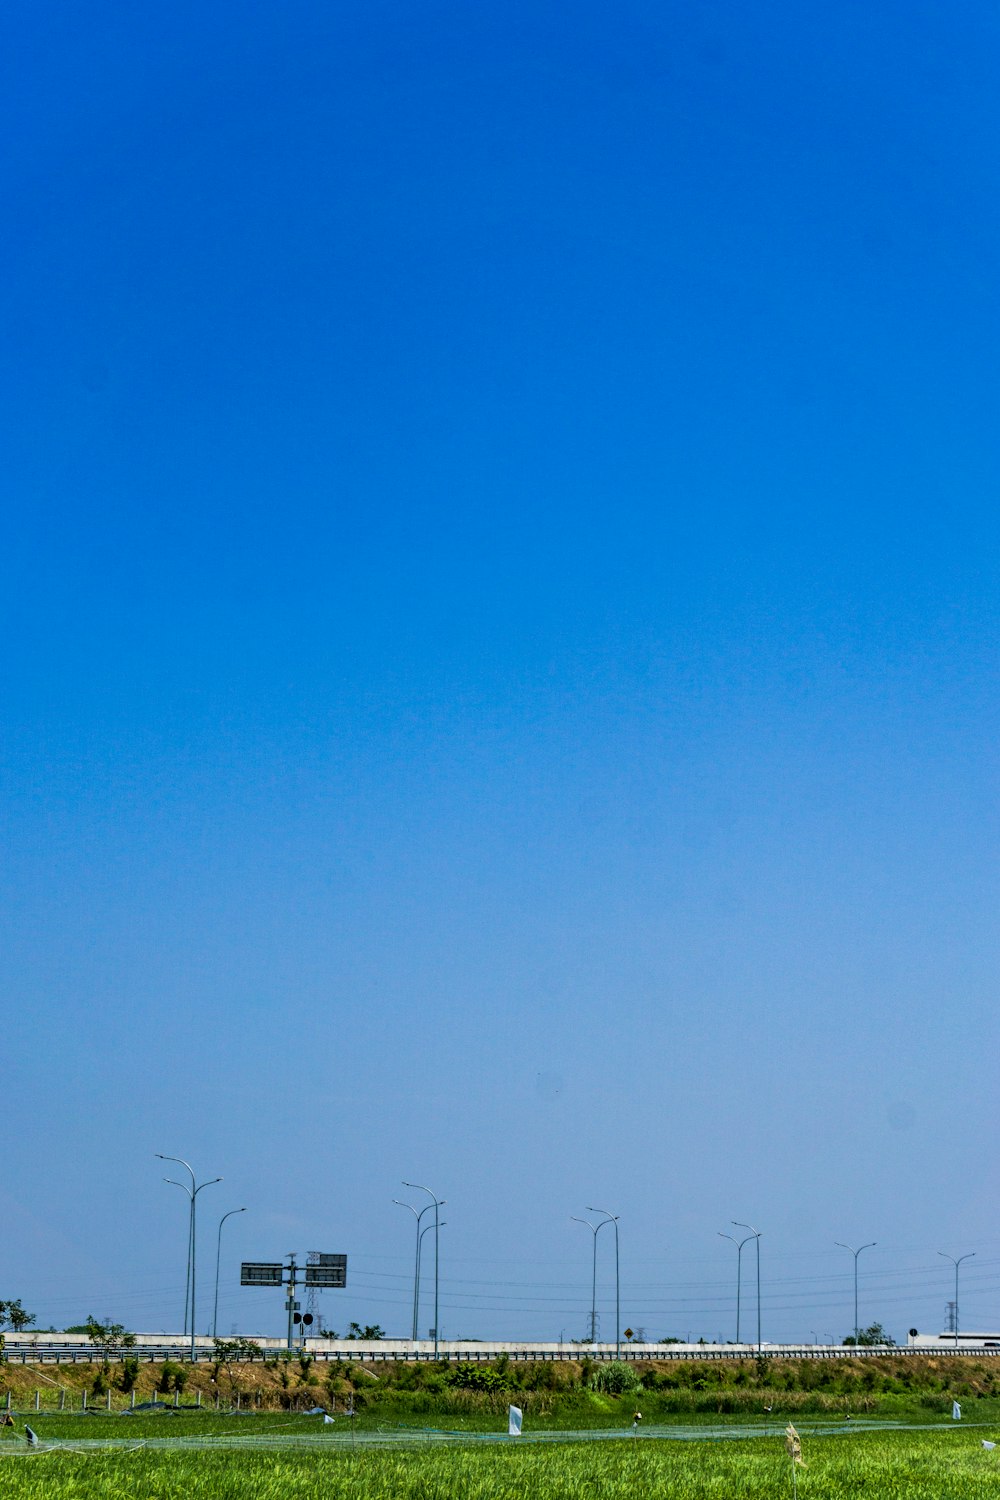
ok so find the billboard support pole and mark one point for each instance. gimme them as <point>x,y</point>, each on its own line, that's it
<point>291,1303</point>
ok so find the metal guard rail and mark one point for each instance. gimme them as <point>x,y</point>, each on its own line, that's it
<point>154,1354</point>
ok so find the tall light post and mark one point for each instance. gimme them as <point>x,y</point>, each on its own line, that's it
<point>855,1253</point>
<point>218,1254</point>
<point>426,1230</point>
<point>739,1270</point>
<point>192,1193</point>
<point>755,1235</point>
<point>593,1278</point>
<point>420,1237</point>
<point>956,1264</point>
<point>436,1202</point>
<point>187,1273</point>
<point>611,1218</point>
<point>416,1267</point>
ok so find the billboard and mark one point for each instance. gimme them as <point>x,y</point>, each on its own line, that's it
<point>330,1270</point>
<point>261,1273</point>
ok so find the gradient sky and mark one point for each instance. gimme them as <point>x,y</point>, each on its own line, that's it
<point>500,614</point>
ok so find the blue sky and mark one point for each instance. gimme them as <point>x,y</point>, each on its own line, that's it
<point>500,604</point>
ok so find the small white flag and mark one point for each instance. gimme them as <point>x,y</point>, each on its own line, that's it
<point>956,1412</point>
<point>513,1421</point>
<point>989,1446</point>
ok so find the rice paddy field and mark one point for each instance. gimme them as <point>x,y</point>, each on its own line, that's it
<point>286,1456</point>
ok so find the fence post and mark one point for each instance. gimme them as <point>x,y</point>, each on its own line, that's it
<point>62,1398</point>
<point>109,1398</point>
<point>84,1406</point>
<point>198,1398</point>
<point>8,1400</point>
<point>38,1397</point>
<point>132,1402</point>
<point>177,1397</point>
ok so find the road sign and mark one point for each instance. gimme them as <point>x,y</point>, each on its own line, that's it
<point>261,1273</point>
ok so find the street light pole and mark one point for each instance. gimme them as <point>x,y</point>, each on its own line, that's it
<point>855,1253</point>
<point>739,1270</point>
<point>416,1266</point>
<point>426,1230</point>
<point>187,1274</point>
<point>194,1257</point>
<point>218,1254</point>
<point>754,1234</point>
<point>437,1202</point>
<point>593,1277</point>
<point>192,1193</point>
<point>956,1264</point>
<point>612,1219</point>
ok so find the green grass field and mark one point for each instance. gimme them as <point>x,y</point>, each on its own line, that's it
<point>878,1429</point>
<point>158,1458</point>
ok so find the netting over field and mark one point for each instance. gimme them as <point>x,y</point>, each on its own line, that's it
<point>402,1437</point>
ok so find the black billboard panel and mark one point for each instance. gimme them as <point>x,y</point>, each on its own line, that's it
<point>261,1273</point>
<point>330,1271</point>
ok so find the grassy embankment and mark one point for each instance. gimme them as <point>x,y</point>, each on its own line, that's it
<point>571,1394</point>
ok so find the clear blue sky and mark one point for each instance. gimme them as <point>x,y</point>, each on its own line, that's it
<point>500,613</point>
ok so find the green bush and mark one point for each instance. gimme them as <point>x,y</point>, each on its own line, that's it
<point>474,1377</point>
<point>616,1379</point>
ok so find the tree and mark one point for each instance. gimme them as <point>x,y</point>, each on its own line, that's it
<point>173,1377</point>
<point>13,1313</point>
<point>226,1351</point>
<point>234,1351</point>
<point>370,1331</point>
<point>872,1335</point>
<point>110,1338</point>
